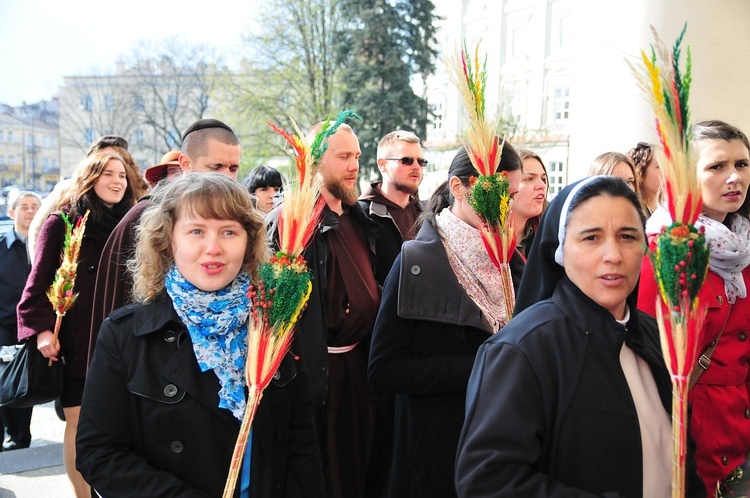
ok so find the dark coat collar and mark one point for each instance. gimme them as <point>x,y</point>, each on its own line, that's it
<point>428,288</point>
<point>160,314</point>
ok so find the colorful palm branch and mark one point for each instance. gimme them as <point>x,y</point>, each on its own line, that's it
<point>60,293</point>
<point>679,254</point>
<point>284,282</point>
<point>490,191</point>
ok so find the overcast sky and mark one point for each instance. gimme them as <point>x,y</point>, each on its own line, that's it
<point>43,40</point>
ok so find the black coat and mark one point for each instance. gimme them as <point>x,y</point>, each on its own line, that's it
<point>549,412</point>
<point>426,335</point>
<point>389,238</point>
<point>150,422</point>
<point>14,269</point>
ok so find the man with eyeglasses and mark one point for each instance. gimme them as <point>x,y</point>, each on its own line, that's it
<point>393,202</point>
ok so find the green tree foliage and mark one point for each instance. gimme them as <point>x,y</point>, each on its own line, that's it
<point>289,69</point>
<point>385,44</point>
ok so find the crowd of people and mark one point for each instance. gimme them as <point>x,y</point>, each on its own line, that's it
<point>407,376</point>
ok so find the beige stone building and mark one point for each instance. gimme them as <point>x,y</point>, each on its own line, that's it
<point>29,146</point>
<point>148,105</point>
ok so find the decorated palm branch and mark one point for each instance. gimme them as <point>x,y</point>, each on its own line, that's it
<point>61,293</point>
<point>283,284</point>
<point>490,190</point>
<point>737,483</point>
<point>679,254</point>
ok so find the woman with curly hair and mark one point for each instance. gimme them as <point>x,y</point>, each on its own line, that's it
<point>166,392</point>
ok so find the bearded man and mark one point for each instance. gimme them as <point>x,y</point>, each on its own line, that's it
<point>334,332</point>
<point>393,203</point>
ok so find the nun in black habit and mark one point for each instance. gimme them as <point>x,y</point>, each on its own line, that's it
<point>572,397</point>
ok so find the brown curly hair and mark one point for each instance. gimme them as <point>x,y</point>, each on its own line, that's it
<point>210,195</point>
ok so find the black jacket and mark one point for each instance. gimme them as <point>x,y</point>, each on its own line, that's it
<point>549,412</point>
<point>389,239</point>
<point>311,339</point>
<point>14,269</point>
<point>423,345</point>
<point>150,422</point>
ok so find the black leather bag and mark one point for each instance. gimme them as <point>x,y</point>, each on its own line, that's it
<point>26,379</point>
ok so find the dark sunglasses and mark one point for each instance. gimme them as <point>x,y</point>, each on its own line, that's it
<point>644,145</point>
<point>408,161</point>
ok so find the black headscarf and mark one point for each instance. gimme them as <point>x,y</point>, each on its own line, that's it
<point>543,271</point>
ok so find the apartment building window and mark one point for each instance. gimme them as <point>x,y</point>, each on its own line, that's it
<point>565,32</point>
<point>437,115</point>
<point>109,102</point>
<point>10,137</point>
<point>2,160</point>
<point>45,141</point>
<point>53,164</point>
<point>88,135</point>
<point>11,160</point>
<point>2,136</point>
<point>139,103</point>
<point>561,103</point>
<point>46,164</point>
<point>518,46</point>
<point>556,177</point>
<point>139,137</point>
<point>87,103</point>
<point>53,141</point>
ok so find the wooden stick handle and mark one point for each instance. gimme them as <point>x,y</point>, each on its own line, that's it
<point>58,322</point>
<point>239,448</point>
<point>509,293</point>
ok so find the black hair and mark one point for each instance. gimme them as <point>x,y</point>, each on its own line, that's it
<point>263,176</point>
<point>462,168</point>
<point>611,186</point>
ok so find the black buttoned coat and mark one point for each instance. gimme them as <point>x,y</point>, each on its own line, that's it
<point>150,422</point>
<point>426,335</point>
<point>549,412</point>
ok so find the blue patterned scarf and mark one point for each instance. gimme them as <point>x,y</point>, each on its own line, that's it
<point>217,323</point>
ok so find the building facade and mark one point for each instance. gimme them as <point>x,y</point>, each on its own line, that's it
<point>528,45</point>
<point>149,105</point>
<point>29,140</point>
<point>558,76</point>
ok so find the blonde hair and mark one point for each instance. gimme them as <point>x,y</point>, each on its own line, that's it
<point>387,142</point>
<point>605,165</point>
<point>210,195</point>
